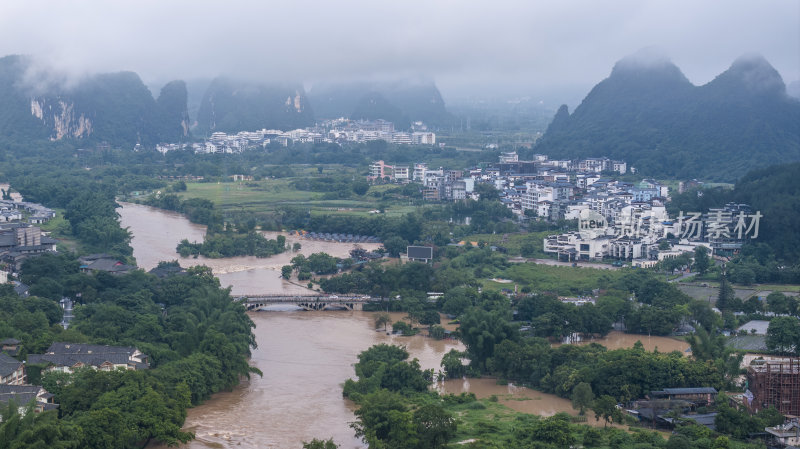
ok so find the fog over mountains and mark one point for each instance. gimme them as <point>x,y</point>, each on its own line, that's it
<point>646,112</point>
<point>649,114</point>
<point>120,109</point>
<point>113,107</point>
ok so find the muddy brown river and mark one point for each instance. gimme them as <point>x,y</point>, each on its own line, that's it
<point>156,233</point>
<point>306,356</point>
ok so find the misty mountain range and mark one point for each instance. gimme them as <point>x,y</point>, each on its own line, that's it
<point>115,107</point>
<point>400,102</point>
<point>649,114</point>
<point>646,112</point>
<point>119,108</point>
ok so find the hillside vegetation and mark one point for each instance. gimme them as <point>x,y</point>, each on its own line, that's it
<point>648,114</point>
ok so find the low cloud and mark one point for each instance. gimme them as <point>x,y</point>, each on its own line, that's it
<point>467,47</point>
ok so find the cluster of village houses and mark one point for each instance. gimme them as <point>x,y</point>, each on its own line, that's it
<point>611,214</point>
<point>59,357</point>
<point>618,220</point>
<point>337,131</point>
<point>20,239</point>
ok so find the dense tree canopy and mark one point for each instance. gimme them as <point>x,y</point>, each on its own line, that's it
<point>198,340</point>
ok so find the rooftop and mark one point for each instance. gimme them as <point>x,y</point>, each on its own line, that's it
<point>8,364</point>
<point>760,327</point>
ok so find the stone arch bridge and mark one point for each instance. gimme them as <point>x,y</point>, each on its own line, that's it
<point>308,302</point>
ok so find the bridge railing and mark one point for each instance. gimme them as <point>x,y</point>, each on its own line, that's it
<point>307,298</point>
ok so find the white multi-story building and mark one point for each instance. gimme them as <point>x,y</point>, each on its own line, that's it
<point>571,246</point>
<point>218,137</point>
<point>458,191</point>
<point>434,177</point>
<point>401,138</point>
<point>419,172</point>
<point>400,172</point>
<point>539,158</point>
<point>378,170</point>
<point>508,157</point>
<point>423,138</point>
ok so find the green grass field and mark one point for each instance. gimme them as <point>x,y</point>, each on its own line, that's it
<point>557,279</point>
<point>513,242</point>
<point>775,287</point>
<point>60,229</point>
<point>270,194</point>
<point>484,421</point>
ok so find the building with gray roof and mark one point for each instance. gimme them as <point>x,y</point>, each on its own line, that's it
<point>68,357</point>
<point>12,371</point>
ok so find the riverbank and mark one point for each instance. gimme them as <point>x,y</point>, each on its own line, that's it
<point>157,232</point>
<point>305,357</point>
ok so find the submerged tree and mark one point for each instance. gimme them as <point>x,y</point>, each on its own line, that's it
<point>582,397</point>
<point>383,319</point>
<point>320,444</point>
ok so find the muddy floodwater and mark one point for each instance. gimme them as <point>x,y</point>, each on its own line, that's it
<point>306,356</point>
<point>514,397</point>
<point>621,340</point>
<point>156,234</point>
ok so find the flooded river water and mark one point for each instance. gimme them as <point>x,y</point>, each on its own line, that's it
<point>156,233</point>
<point>305,356</point>
<point>621,340</point>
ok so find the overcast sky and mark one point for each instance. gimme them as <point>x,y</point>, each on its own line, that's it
<point>468,47</point>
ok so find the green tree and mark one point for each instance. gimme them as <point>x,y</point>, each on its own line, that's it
<point>321,263</point>
<point>778,303</point>
<point>530,248</point>
<point>383,319</point>
<point>726,294</point>
<point>679,442</point>
<point>783,335</point>
<point>320,444</point>
<point>402,327</point>
<point>712,347</point>
<point>360,187</point>
<point>592,437</point>
<point>457,300</point>
<point>606,407</point>
<point>384,422</point>
<point>742,275</point>
<point>486,191</point>
<point>395,245</point>
<point>722,442</point>
<point>436,332</point>
<point>701,260</point>
<point>35,430</point>
<point>482,330</point>
<point>452,365</point>
<point>298,262</point>
<point>429,318</point>
<point>554,430</point>
<point>55,381</point>
<point>286,271</point>
<point>434,426</point>
<point>582,397</point>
